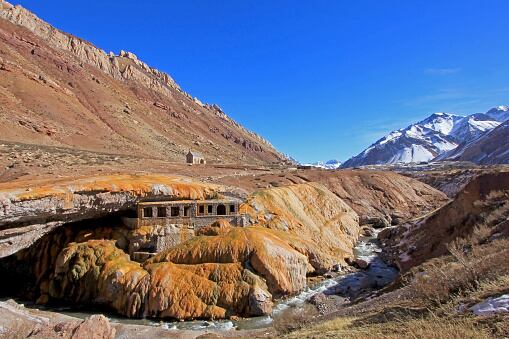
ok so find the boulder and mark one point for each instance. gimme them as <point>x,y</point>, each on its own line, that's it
<point>367,231</point>
<point>376,222</point>
<point>94,327</point>
<point>362,264</point>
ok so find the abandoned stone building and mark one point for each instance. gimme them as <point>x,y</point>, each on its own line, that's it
<point>168,223</point>
<point>195,158</point>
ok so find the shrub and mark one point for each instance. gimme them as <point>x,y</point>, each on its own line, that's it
<point>467,266</point>
<point>296,318</point>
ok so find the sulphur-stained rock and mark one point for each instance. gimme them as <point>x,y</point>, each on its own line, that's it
<point>217,228</point>
<point>205,290</point>
<point>268,252</point>
<point>310,212</point>
<point>97,273</point>
<point>47,204</point>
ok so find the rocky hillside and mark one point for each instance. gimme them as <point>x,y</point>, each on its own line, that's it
<point>432,138</point>
<point>380,198</point>
<point>480,207</point>
<point>59,90</point>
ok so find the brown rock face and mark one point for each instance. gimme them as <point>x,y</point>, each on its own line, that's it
<point>62,90</point>
<point>382,198</point>
<point>482,203</point>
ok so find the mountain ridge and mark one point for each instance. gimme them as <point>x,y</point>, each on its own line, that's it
<point>431,138</point>
<point>82,97</point>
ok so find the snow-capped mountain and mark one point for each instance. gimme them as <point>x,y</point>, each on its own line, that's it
<point>330,164</point>
<point>473,126</point>
<point>490,148</point>
<point>436,135</point>
<point>500,113</point>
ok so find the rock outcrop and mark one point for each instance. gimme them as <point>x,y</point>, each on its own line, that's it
<point>94,327</point>
<point>481,204</point>
<point>380,198</point>
<point>97,273</point>
<point>267,252</point>
<point>307,211</point>
<point>29,210</point>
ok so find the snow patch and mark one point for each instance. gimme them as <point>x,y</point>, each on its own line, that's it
<point>492,305</point>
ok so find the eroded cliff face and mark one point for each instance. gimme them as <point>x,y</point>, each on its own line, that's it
<point>31,209</point>
<point>310,212</point>
<point>381,198</point>
<point>482,203</point>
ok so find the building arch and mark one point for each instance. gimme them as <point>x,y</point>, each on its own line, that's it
<point>221,209</point>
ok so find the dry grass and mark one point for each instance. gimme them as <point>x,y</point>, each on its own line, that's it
<point>440,291</point>
<point>430,327</point>
<point>469,264</point>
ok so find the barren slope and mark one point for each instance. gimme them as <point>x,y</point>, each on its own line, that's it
<point>56,89</point>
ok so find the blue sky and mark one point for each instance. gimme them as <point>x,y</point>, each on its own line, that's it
<point>319,79</point>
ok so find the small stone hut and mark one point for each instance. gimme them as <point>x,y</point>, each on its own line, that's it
<point>195,158</point>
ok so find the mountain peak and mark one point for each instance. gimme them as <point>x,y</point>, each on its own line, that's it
<point>499,113</point>
<point>436,135</point>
